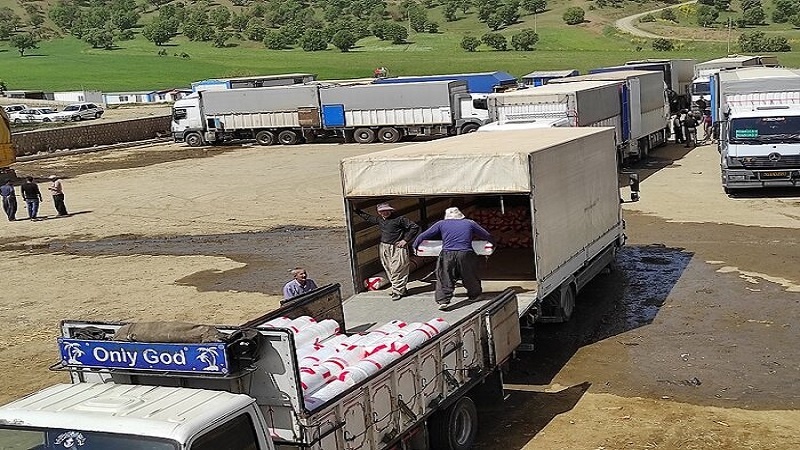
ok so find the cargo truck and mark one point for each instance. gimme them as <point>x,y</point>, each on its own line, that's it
<point>7,154</point>
<point>288,115</point>
<point>243,388</point>
<point>583,103</point>
<point>644,105</point>
<point>677,73</point>
<point>704,70</point>
<point>757,113</point>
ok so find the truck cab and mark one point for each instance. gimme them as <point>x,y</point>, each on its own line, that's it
<point>187,120</point>
<point>101,416</point>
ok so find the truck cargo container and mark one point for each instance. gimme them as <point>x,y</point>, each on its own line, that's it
<point>645,109</point>
<point>678,74</point>
<point>253,82</point>
<point>542,77</point>
<point>291,114</point>
<point>704,70</point>
<point>7,154</point>
<point>757,112</point>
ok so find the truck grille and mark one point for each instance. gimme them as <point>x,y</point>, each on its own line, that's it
<point>764,162</point>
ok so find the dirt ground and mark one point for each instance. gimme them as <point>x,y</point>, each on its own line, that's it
<point>690,343</point>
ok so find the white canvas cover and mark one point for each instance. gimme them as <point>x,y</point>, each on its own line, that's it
<point>475,163</point>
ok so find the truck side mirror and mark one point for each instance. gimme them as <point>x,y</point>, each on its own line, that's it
<point>633,182</point>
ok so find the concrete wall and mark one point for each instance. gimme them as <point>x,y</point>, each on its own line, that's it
<point>32,142</point>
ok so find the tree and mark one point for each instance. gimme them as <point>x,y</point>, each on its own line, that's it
<point>470,43</point>
<point>23,41</point>
<point>784,10</point>
<point>757,42</point>
<point>750,4</point>
<point>124,14</point>
<point>395,32</point>
<point>313,40</point>
<point>574,15</point>
<point>64,14</point>
<point>534,6</point>
<point>220,17</point>
<point>796,20</point>
<point>525,40</point>
<point>495,40</point>
<point>220,38</point>
<point>158,31</point>
<point>754,16</point>
<point>100,38</point>
<point>256,30</point>
<point>450,10</point>
<point>706,15</point>
<point>647,18</point>
<point>663,45</point>
<point>668,14</point>
<point>275,40</point>
<point>722,5</point>
<point>343,40</point>
<point>239,21</point>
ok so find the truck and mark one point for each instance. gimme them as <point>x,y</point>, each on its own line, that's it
<point>7,153</point>
<point>678,74</point>
<point>645,109</point>
<point>704,70</point>
<point>584,103</point>
<point>189,387</point>
<point>253,82</point>
<point>358,112</point>
<point>757,113</point>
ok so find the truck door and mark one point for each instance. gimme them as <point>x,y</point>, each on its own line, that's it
<point>242,432</point>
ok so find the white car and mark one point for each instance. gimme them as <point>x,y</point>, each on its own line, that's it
<point>80,111</point>
<point>14,108</point>
<point>33,115</point>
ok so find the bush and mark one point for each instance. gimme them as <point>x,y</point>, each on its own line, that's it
<point>275,40</point>
<point>574,15</point>
<point>495,40</point>
<point>343,40</point>
<point>647,18</point>
<point>706,15</point>
<point>754,16</point>
<point>669,14</point>
<point>313,40</point>
<point>795,20</point>
<point>525,40</point>
<point>663,45</point>
<point>470,43</point>
<point>757,41</point>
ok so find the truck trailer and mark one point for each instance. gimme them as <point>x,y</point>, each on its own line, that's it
<point>704,70</point>
<point>677,73</point>
<point>644,105</point>
<point>757,113</point>
<point>290,114</point>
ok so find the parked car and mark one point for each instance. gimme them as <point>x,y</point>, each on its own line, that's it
<point>14,108</point>
<point>34,115</point>
<point>80,111</point>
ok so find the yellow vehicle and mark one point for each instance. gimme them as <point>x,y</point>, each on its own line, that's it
<point>7,155</point>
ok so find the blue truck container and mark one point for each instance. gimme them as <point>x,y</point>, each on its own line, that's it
<point>477,83</point>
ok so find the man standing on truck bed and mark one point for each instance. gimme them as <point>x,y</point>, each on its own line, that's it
<point>396,233</point>
<point>457,259</point>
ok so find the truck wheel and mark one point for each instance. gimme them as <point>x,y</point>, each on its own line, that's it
<point>364,136</point>
<point>288,137</point>
<point>469,128</point>
<point>567,302</point>
<point>265,137</point>
<point>194,140</point>
<point>388,135</point>
<point>454,428</point>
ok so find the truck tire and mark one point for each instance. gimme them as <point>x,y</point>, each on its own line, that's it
<point>288,137</point>
<point>567,302</point>
<point>193,140</point>
<point>469,128</point>
<point>364,136</point>
<point>265,137</point>
<point>388,135</point>
<point>454,428</point>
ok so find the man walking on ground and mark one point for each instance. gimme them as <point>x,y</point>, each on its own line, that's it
<point>458,260</point>
<point>58,195</point>
<point>9,200</point>
<point>299,285</point>
<point>396,233</point>
<point>32,197</point>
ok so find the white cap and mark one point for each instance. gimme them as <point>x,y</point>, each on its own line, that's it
<point>453,213</point>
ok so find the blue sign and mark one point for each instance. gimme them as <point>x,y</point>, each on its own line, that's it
<point>207,358</point>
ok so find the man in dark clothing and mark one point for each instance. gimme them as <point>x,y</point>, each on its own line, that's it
<point>9,200</point>
<point>396,233</point>
<point>690,129</point>
<point>677,128</point>
<point>32,196</point>
<point>458,260</point>
<point>701,104</point>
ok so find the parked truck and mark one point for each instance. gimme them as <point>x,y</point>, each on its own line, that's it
<point>703,71</point>
<point>354,111</point>
<point>644,105</point>
<point>757,113</point>
<point>7,154</point>
<point>242,387</point>
<point>678,74</point>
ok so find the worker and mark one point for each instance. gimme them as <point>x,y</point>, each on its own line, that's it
<point>396,232</point>
<point>9,200</point>
<point>32,197</point>
<point>57,190</point>
<point>299,284</point>
<point>457,260</point>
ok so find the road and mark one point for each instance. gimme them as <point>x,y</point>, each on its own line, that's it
<point>626,24</point>
<point>689,343</point>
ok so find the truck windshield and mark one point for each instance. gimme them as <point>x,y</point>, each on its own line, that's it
<point>13,438</point>
<point>765,129</point>
<point>701,88</point>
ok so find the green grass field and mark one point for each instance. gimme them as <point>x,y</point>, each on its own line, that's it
<point>70,64</point>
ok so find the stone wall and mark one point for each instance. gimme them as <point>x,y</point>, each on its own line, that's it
<point>105,133</point>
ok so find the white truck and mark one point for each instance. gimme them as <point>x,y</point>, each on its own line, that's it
<point>701,84</point>
<point>288,115</point>
<point>757,111</point>
<point>677,73</point>
<point>644,105</point>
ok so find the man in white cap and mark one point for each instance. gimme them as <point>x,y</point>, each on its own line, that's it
<point>458,260</point>
<point>58,195</point>
<point>396,233</point>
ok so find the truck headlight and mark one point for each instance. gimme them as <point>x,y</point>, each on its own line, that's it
<point>734,163</point>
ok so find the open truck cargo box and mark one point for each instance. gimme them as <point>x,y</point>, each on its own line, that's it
<point>556,187</point>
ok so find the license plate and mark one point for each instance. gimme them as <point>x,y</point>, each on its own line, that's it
<point>774,174</point>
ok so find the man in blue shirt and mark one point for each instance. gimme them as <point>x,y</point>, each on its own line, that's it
<point>458,260</point>
<point>299,285</point>
<point>9,200</point>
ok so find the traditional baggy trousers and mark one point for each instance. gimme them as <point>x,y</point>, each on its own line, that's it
<point>10,207</point>
<point>453,266</point>
<point>395,261</point>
